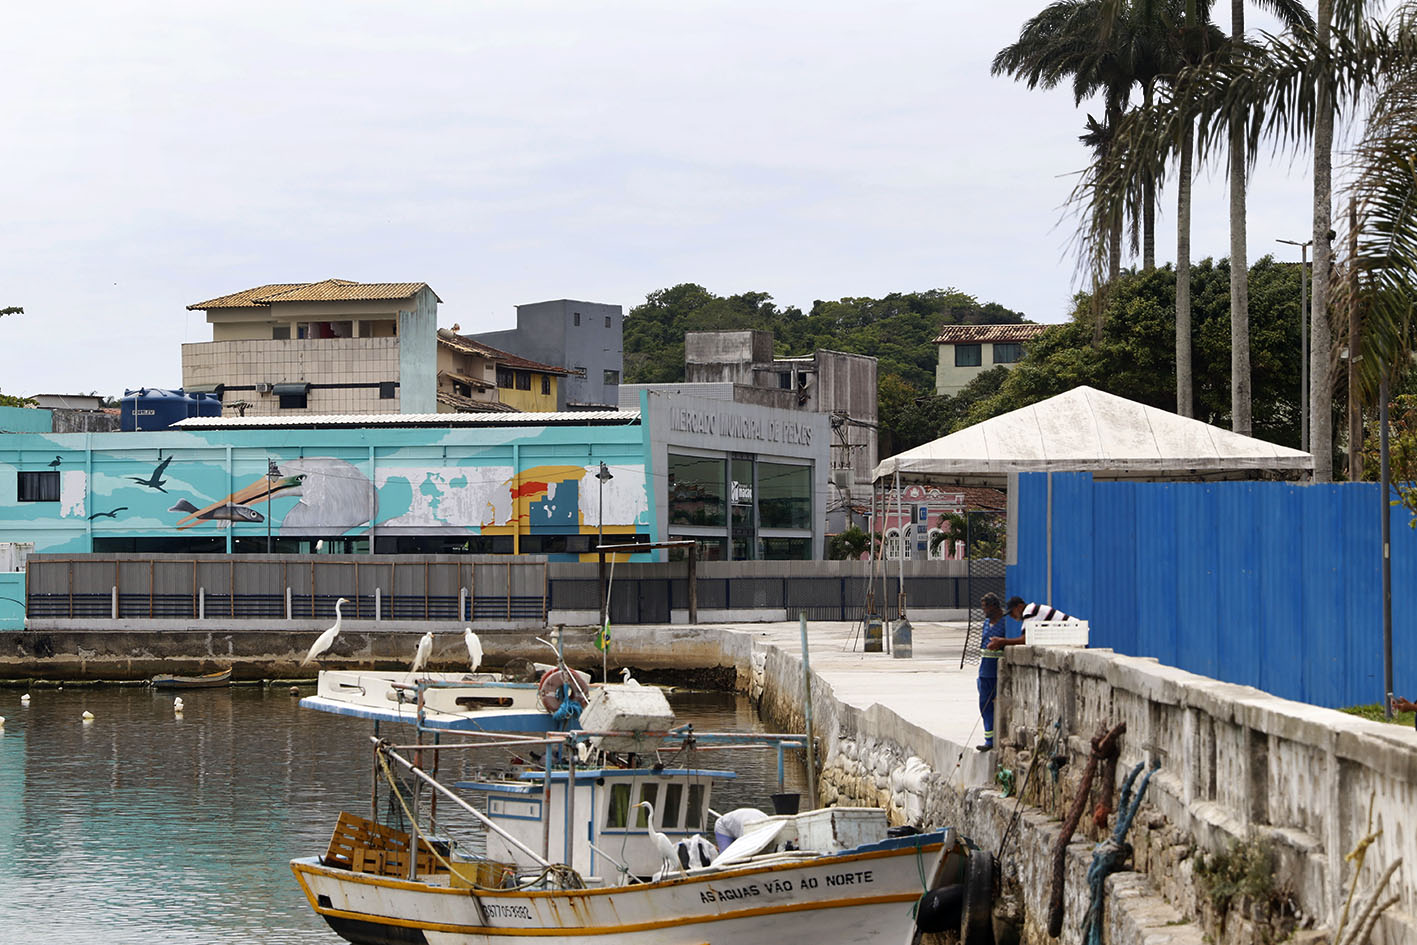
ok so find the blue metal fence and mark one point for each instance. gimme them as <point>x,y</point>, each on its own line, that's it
<point>1268,584</point>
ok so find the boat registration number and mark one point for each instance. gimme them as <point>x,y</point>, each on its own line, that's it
<point>497,910</point>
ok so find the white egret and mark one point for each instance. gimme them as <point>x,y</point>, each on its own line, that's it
<point>2,721</point>
<point>25,699</point>
<point>666,848</point>
<point>420,655</point>
<point>327,639</point>
<point>87,716</point>
<point>474,649</point>
<point>629,680</point>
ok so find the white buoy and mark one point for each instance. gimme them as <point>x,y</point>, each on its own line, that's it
<point>87,716</point>
<point>25,699</point>
<point>177,705</point>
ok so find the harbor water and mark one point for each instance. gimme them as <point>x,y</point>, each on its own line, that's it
<point>144,827</point>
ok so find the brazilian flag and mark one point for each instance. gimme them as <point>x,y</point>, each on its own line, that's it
<point>602,636</point>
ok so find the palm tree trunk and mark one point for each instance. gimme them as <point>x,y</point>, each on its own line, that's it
<point>1240,399</point>
<point>1184,395</point>
<point>1148,207</point>
<point>1320,334</point>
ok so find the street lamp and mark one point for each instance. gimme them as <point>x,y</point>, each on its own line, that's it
<point>272,474</point>
<point>604,476</point>
<point>1303,339</point>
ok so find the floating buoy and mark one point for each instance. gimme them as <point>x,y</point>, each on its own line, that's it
<point>295,690</point>
<point>25,699</point>
<point>177,704</point>
<point>87,716</point>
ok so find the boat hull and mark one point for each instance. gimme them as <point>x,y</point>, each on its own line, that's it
<point>865,895</point>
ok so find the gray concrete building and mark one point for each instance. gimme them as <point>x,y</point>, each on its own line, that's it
<point>585,337</point>
<point>836,383</point>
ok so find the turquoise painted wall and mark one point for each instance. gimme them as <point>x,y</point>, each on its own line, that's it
<point>12,596</point>
<point>511,481</point>
<point>25,420</point>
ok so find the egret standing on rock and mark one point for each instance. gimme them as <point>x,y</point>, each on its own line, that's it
<point>420,655</point>
<point>629,680</point>
<point>327,639</point>
<point>474,649</point>
<point>668,851</point>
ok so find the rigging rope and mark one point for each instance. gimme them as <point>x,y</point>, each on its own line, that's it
<point>1109,855</point>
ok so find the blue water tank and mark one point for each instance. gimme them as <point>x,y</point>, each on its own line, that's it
<point>151,408</point>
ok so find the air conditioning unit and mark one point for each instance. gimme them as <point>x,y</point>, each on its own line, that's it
<point>263,388</point>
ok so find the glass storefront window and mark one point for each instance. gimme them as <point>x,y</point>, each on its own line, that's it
<point>706,549</point>
<point>784,496</point>
<point>787,549</point>
<point>696,490</point>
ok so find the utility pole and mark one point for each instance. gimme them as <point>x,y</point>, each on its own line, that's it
<point>1303,340</point>
<point>272,474</point>
<point>1355,406</point>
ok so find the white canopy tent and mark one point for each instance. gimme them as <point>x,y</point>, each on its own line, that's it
<point>1090,430</point>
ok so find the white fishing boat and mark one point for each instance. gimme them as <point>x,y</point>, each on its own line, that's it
<point>837,875</point>
<point>476,702</point>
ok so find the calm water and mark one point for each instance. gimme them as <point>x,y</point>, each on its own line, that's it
<point>143,828</point>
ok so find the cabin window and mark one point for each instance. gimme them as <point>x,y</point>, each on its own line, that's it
<point>648,792</point>
<point>967,356</point>
<point>694,811</point>
<point>673,798</point>
<point>38,486</point>
<point>619,813</point>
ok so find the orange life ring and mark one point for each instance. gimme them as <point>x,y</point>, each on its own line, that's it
<point>549,689</point>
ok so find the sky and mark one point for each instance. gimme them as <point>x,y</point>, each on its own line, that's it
<point>160,154</point>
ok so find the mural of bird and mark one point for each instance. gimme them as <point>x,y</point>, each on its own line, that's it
<point>155,481</point>
<point>666,848</point>
<point>420,655</point>
<point>327,639</point>
<point>334,494</point>
<point>112,514</point>
<point>474,649</point>
<point>54,464</point>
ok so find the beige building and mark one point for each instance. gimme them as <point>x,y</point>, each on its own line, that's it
<point>966,351</point>
<point>319,348</point>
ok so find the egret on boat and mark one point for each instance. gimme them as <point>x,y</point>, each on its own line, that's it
<point>87,716</point>
<point>474,649</point>
<point>25,699</point>
<point>327,639</point>
<point>668,851</point>
<point>629,680</point>
<point>420,655</point>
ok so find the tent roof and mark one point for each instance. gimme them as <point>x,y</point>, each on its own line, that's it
<point>1090,430</point>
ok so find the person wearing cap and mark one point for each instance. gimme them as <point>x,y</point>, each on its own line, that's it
<point>1020,611</point>
<point>992,641</point>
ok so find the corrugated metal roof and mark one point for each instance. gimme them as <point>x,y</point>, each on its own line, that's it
<point>506,358</point>
<point>329,290</point>
<point>975,334</point>
<point>558,418</point>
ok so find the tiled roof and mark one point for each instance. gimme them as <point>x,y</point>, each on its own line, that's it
<point>330,290</point>
<point>505,358</point>
<point>464,379</point>
<point>990,334</point>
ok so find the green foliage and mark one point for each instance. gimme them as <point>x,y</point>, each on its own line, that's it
<point>11,310</point>
<point>848,545</point>
<point>1136,357</point>
<point>1374,712</point>
<point>1402,450</point>
<point>9,400</point>
<point>1245,870</point>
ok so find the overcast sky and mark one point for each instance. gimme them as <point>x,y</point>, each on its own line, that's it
<point>159,154</point>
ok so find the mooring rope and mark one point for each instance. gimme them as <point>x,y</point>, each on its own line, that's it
<point>1109,855</point>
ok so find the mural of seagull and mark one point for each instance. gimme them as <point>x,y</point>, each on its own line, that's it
<point>55,463</point>
<point>155,481</point>
<point>332,493</point>
<point>113,514</point>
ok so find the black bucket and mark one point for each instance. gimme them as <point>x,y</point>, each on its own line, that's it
<point>786,803</point>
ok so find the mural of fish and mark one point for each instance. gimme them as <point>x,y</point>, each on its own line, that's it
<point>221,513</point>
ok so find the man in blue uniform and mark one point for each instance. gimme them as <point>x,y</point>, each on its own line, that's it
<point>992,641</point>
